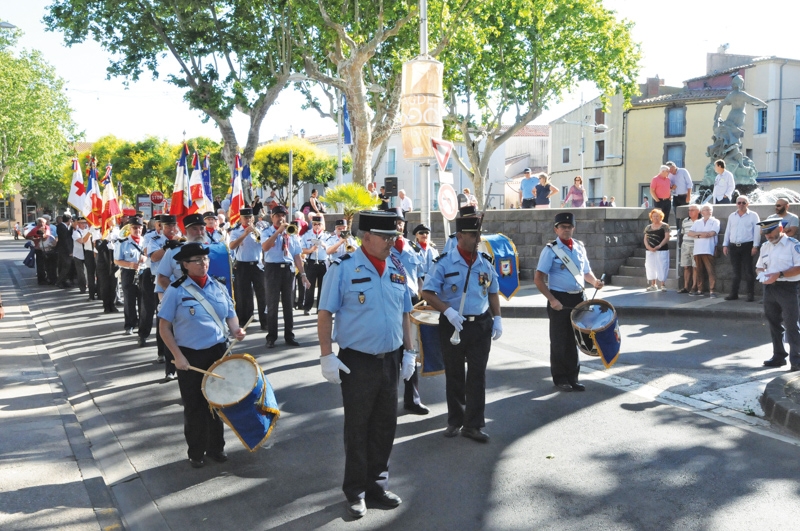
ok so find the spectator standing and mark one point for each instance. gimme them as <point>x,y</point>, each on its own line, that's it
<point>681,188</point>
<point>257,206</point>
<point>724,184</point>
<point>527,196</point>
<point>271,201</point>
<point>661,190</point>
<point>656,241</point>
<point>705,231</point>
<point>543,191</point>
<point>576,197</point>
<point>789,221</point>
<point>471,199</point>
<point>741,242</point>
<point>406,204</point>
<point>38,234</point>
<point>612,202</point>
<point>81,254</point>
<point>64,247</point>
<point>384,205</point>
<point>687,251</point>
<point>646,202</point>
<point>604,202</point>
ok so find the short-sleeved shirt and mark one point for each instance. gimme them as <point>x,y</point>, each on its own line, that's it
<point>342,250</point>
<point>788,220</point>
<point>412,263</point>
<point>369,308</point>
<point>153,241</point>
<point>660,186</point>
<point>705,245</point>
<point>448,278</point>
<point>780,256</point>
<point>79,249</point>
<point>559,278</point>
<point>192,326</point>
<point>127,250</point>
<point>276,255</point>
<point>527,186</point>
<point>307,242</point>
<point>428,256</point>
<point>249,250</point>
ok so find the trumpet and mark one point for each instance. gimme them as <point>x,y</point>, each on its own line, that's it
<point>291,230</point>
<point>256,233</point>
<point>350,248</point>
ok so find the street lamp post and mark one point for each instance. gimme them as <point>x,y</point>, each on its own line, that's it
<point>601,128</point>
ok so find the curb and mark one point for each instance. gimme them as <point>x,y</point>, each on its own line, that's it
<point>540,312</point>
<point>778,406</point>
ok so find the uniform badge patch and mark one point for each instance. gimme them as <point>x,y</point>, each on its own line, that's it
<point>191,310</point>
<point>362,297</point>
<point>454,288</point>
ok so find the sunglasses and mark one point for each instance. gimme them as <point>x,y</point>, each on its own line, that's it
<point>741,202</point>
<point>385,237</point>
<point>423,233</point>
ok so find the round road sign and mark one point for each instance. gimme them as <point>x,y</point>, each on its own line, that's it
<point>448,203</point>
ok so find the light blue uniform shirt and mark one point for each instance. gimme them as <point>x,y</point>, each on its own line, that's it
<point>369,308</point>
<point>412,263</point>
<point>306,243</point>
<point>169,267</point>
<point>192,326</point>
<point>451,244</point>
<point>559,277</point>
<point>153,241</point>
<point>342,250</point>
<point>276,254</point>
<point>127,250</point>
<point>249,250</point>
<point>448,277</point>
<point>428,256</point>
<point>527,186</point>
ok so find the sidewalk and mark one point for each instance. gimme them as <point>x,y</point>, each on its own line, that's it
<point>62,466</point>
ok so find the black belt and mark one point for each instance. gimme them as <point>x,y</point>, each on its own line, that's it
<point>279,264</point>
<point>471,318</point>
<point>248,263</point>
<point>315,261</point>
<point>376,356</point>
<point>740,244</point>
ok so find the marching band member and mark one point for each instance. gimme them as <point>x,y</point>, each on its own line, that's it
<point>281,255</point>
<point>213,233</point>
<point>248,271</point>
<point>424,247</point>
<point>412,263</point>
<point>153,240</point>
<point>563,267</point>
<point>128,256</point>
<point>341,242</point>
<point>315,250</point>
<point>367,283</point>
<point>192,313</point>
<point>171,234</point>
<point>466,273</point>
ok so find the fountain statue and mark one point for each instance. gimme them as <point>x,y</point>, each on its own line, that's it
<point>727,139</point>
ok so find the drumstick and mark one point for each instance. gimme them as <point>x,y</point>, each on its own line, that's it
<point>228,352</point>
<point>204,372</point>
<point>596,289</point>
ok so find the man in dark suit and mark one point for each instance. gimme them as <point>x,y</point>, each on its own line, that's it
<point>64,247</point>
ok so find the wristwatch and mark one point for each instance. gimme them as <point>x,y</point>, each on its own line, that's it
<point>780,275</point>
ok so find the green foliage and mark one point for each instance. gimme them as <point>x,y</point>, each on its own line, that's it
<point>35,124</point>
<point>349,198</point>
<point>270,165</point>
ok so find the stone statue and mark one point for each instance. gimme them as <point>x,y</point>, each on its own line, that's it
<point>728,135</point>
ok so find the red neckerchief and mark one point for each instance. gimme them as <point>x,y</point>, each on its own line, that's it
<point>399,244</point>
<point>380,265</point>
<point>209,230</point>
<point>316,231</point>
<point>423,245</point>
<point>200,281</point>
<point>568,243</point>
<point>469,258</point>
<point>137,239</point>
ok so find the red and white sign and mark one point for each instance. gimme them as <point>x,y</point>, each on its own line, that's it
<point>157,197</point>
<point>448,202</point>
<point>442,150</point>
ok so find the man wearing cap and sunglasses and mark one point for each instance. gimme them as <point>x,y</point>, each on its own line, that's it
<point>367,292</point>
<point>778,269</point>
<point>562,269</point>
<point>282,254</point>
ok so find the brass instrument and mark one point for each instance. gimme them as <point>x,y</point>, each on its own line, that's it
<point>344,234</point>
<point>350,248</point>
<point>291,230</point>
<point>256,234</point>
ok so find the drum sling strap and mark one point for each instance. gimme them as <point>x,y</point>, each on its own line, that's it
<point>194,292</point>
<point>568,262</point>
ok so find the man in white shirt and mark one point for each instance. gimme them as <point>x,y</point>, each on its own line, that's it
<point>81,250</point>
<point>742,239</point>
<point>405,202</point>
<point>723,184</point>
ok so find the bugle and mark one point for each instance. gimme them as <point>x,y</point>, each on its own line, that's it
<point>291,230</point>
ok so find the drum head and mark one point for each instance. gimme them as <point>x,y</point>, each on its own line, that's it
<point>593,314</point>
<point>241,376</point>
<point>426,317</point>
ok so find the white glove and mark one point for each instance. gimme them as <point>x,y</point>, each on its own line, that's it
<point>409,364</point>
<point>455,319</point>
<point>497,327</point>
<point>331,366</point>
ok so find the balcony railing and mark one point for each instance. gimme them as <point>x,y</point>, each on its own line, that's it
<point>796,136</point>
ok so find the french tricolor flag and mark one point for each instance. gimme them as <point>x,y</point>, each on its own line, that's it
<point>237,195</point>
<point>181,196</point>
<point>93,203</point>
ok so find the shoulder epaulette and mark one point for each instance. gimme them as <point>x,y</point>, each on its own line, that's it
<point>440,257</point>
<point>415,246</point>
<point>793,239</point>
<point>488,257</point>
<point>122,240</point>
<point>338,261</point>
<point>552,243</point>
<point>452,235</point>
<point>179,281</point>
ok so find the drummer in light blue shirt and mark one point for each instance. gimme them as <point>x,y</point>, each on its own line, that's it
<point>563,289</point>
<point>197,339</point>
<point>444,289</point>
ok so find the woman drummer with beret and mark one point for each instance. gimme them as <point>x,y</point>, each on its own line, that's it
<point>197,338</point>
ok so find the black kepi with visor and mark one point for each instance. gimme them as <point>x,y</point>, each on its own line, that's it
<point>378,221</point>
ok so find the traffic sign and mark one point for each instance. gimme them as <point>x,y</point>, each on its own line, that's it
<point>448,203</point>
<point>442,149</point>
<point>157,197</point>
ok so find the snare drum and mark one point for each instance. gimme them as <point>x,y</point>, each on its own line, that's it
<point>244,400</point>
<point>596,330</point>
<point>425,333</point>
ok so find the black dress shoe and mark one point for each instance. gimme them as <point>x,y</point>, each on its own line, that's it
<point>578,386</point>
<point>567,388</point>
<point>417,409</point>
<point>197,463</point>
<point>357,508</point>
<point>385,498</point>
<point>476,434</point>
<point>219,457</point>
<point>270,343</point>
<point>732,297</point>
<point>306,312</point>
<point>773,362</point>
<point>794,368</point>
<point>451,431</point>
<point>142,342</point>
<point>292,343</point>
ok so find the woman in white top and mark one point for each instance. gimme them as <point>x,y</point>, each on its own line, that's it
<point>704,231</point>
